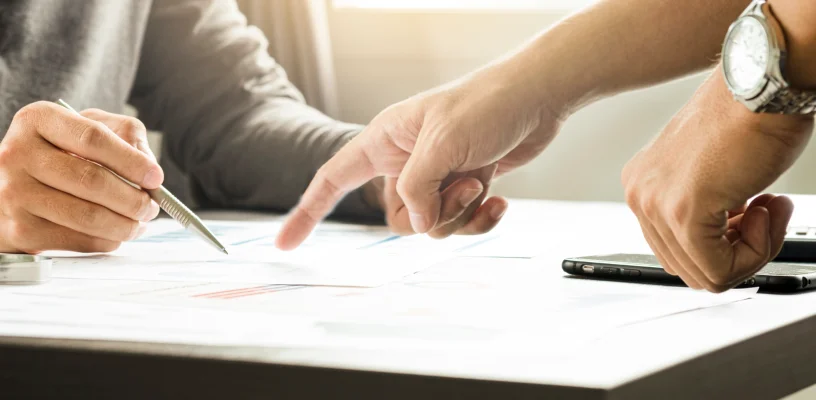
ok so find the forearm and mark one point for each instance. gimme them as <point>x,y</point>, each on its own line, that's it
<point>616,46</point>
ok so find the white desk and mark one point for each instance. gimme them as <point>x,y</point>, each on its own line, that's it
<point>758,348</point>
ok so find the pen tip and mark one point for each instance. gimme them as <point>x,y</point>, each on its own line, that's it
<point>223,250</point>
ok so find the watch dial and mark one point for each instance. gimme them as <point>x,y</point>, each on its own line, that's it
<point>745,56</point>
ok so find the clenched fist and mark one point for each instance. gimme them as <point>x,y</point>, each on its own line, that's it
<point>689,188</point>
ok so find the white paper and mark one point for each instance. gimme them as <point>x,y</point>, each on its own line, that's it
<point>170,254</point>
<point>171,288</point>
<point>513,307</point>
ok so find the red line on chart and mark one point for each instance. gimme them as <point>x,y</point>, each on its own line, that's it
<point>227,292</point>
<point>277,288</point>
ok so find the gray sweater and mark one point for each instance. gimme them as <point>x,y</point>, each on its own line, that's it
<point>232,122</point>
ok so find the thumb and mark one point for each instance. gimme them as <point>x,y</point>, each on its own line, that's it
<point>419,183</point>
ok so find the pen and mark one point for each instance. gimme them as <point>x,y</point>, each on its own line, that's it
<point>170,204</point>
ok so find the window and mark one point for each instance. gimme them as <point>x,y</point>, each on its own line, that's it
<point>464,5</point>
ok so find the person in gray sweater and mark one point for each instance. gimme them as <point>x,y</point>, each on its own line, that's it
<point>195,71</point>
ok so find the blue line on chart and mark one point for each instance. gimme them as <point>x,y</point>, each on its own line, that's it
<point>250,240</point>
<point>472,245</point>
<point>386,240</point>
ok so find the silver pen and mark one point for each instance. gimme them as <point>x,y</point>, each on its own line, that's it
<point>170,204</point>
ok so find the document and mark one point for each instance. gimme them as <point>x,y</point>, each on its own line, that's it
<point>356,287</point>
<point>334,255</point>
<point>169,253</point>
<point>467,305</point>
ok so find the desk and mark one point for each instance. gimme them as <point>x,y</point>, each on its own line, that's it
<point>759,348</point>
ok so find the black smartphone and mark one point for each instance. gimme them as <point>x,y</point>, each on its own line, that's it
<point>775,277</point>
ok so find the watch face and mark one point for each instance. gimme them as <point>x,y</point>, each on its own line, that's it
<point>746,56</point>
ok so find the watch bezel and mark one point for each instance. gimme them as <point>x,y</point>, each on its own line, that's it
<point>772,57</point>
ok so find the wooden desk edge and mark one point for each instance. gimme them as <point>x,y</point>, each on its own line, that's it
<point>33,367</point>
<point>771,365</point>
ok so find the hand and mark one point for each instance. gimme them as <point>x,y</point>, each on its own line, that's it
<point>51,200</point>
<point>689,188</point>
<point>459,135</point>
<point>458,214</point>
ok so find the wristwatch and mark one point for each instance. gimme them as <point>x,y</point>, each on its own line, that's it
<point>754,57</point>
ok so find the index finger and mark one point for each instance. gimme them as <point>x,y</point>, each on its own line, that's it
<point>95,142</point>
<point>349,169</point>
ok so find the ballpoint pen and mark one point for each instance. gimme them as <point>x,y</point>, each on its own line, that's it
<point>170,204</point>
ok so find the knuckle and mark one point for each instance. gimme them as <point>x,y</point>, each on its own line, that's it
<point>132,130</point>
<point>324,176</point>
<point>92,178</point>
<point>678,212</point>
<point>8,153</point>
<point>19,234</point>
<point>88,216</point>
<point>93,113</point>
<point>650,206</point>
<point>626,175</point>
<point>31,111</point>
<point>406,191</point>
<point>720,279</point>
<point>140,206</point>
<point>8,195</point>
<point>631,196</point>
<point>91,136</point>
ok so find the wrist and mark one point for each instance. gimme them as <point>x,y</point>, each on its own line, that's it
<point>787,128</point>
<point>537,85</point>
<point>796,20</point>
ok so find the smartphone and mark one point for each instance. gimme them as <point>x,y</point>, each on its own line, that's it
<point>775,277</point>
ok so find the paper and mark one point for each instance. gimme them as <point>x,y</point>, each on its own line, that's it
<point>334,255</point>
<point>471,304</point>
<point>170,254</point>
<point>238,235</point>
<point>397,294</point>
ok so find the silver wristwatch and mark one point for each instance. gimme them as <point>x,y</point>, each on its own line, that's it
<point>754,57</point>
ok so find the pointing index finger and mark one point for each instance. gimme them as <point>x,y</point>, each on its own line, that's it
<point>349,169</point>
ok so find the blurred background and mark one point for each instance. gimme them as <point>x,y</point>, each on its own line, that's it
<point>352,58</point>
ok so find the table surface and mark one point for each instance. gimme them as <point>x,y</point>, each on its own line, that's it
<point>757,348</point>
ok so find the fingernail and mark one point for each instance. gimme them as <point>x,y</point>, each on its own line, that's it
<point>469,196</point>
<point>151,212</point>
<point>497,212</point>
<point>153,178</point>
<point>418,222</point>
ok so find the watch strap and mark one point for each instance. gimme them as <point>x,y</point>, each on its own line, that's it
<point>790,101</point>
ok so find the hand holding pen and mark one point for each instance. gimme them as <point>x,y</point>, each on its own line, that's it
<point>53,200</point>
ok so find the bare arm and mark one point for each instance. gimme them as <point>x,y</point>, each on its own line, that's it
<point>504,115</point>
<point>621,45</point>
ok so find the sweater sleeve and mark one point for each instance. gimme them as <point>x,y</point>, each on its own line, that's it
<point>231,119</point>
